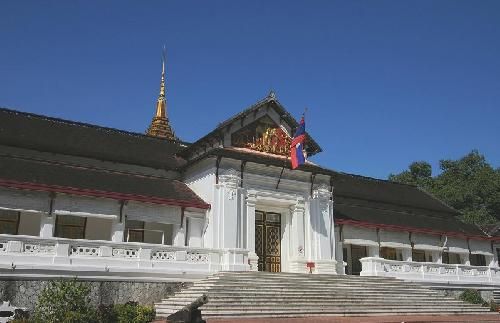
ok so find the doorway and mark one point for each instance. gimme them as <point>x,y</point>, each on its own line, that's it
<point>357,252</point>
<point>268,241</point>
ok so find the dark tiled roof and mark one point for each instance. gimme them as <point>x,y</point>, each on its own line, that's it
<point>270,101</point>
<point>44,176</point>
<point>42,133</point>
<point>389,216</point>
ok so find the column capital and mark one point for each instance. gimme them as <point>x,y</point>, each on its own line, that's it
<point>230,178</point>
<point>322,192</point>
<point>299,206</point>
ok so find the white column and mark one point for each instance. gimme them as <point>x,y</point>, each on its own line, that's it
<point>117,230</point>
<point>297,253</point>
<point>407,256</point>
<point>251,199</point>
<point>228,196</point>
<point>437,257</point>
<point>490,261</point>
<point>465,259</point>
<point>323,233</point>
<point>47,225</point>
<point>339,252</point>
<point>179,234</point>
<point>495,257</point>
<point>195,231</point>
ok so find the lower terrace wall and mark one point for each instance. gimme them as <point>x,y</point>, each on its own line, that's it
<point>24,293</point>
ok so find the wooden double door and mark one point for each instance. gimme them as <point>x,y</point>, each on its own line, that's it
<point>268,240</point>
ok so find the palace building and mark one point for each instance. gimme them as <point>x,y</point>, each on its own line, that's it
<point>99,203</point>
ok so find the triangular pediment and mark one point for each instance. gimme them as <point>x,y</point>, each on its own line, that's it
<point>263,135</point>
<point>265,127</point>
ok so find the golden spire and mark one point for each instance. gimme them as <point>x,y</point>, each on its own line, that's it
<point>160,126</point>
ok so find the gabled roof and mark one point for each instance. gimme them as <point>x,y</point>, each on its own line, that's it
<point>41,133</point>
<point>35,175</point>
<point>269,101</point>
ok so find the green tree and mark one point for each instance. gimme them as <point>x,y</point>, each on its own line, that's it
<point>468,184</point>
<point>419,173</point>
<point>64,301</point>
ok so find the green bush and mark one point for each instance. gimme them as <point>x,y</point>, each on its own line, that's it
<point>69,302</point>
<point>64,301</point>
<point>494,307</point>
<point>471,296</point>
<point>131,312</point>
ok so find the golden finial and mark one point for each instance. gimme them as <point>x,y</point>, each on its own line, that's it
<point>160,126</point>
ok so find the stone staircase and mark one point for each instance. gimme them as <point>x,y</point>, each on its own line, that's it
<point>261,294</point>
<point>496,296</point>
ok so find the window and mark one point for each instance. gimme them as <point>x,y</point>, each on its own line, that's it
<point>71,227</point>
<point>391,253</point>
<point>451,258</point>
<point>477,260</point>
<point>134,230</point>
<point>9,221</point>
<point>418,255</point>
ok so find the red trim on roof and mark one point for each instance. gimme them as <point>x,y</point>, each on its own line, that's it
<point>102,194</point>
<point>412,229</point>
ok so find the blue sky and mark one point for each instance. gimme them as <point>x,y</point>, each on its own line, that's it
<point>386,82</point>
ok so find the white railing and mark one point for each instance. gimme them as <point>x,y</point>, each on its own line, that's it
<point>35,256</point>
<point>428,271</point>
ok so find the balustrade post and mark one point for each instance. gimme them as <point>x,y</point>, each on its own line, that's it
<point>106,251</point>
<point>145,258</point>
<point>62,254</point>
<point>214,262</point>
<point>14,246</point>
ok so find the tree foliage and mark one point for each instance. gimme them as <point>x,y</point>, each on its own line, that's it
<point>65,301</point>
<point>468,184</point>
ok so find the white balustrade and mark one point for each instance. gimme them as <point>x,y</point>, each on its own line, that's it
<point>34,255</point>
<point>38,248</point>
<point>428,271</point>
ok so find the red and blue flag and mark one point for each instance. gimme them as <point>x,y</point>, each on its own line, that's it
<point>297,146</point>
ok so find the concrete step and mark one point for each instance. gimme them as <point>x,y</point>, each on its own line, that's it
<point>303,283</point>
<point>250,294</point>
<point>387,309</point>
<point>318,288</point>
<point>323,312</point>
<point>183,302</point>
<point>304,293</point>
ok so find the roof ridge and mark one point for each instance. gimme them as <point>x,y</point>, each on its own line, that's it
<point>241,113</point>
<point>84,124</point>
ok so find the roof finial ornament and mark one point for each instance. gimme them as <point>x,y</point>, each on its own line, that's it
<point>272,95</point>
<point>160,126</point>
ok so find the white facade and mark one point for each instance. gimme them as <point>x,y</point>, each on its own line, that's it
<point>54,234</point>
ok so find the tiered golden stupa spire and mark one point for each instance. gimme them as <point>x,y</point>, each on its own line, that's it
<point>160,126</point>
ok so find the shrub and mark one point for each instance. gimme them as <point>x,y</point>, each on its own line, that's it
<point>64,302</point>
<point>471,296</point>
<point>494,307</point>
<point>106,314</point>
<point>131,312</point>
